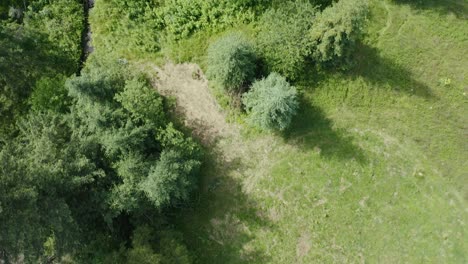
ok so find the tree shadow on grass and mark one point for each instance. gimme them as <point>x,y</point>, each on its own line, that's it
<point>218,224</point>
<point>457,7</point>
<point>312,130</point>
<point>385,73</point>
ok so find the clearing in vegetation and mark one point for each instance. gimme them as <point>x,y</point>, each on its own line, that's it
<point>373,168</point>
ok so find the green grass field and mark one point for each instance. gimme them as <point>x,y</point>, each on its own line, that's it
<point>374,168</point>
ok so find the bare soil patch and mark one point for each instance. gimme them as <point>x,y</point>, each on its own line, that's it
<point>194,101</point>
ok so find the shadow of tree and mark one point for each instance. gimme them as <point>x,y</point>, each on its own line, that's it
<point>383,72</point>
<point>457,7</point>
<point>217,225</point>
<point>312,130</point>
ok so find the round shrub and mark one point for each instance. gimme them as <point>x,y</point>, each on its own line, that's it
<point>271,103</point>
<point>283,40</point>
<point>231,62</point>
<point>336,31</point>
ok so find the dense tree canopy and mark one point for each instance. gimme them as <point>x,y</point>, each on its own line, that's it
<point>90,162</point>
<point>105,151</point>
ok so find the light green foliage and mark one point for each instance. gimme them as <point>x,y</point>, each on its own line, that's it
<point>126,28</point>
<point>131,169</point>
<point>184,17</point>
<point>50,94</point>
<point>142,101</point>
<point>7,5</point>
<point>336,31</point>
<point>283,37</point>
<point>271,103</point>
<point>124,116</point>
<point>62,21</point>
<point>171,138</point>
<point>231,62</point>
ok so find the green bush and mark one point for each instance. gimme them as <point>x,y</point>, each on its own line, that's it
<point>142,101</point>
<point>283,40</point>
<point>62,22</point>
<point>336,30</point>
<point>231,62</point>
<point>172,179</point>
<point>271,103</point>
<point>184,17</point>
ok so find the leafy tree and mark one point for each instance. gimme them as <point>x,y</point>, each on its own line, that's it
<point>142,101</point>
<point>172,179</point>
<point>336,30</point>
<point>283,40</point>
<point>271,103</point>
<point>75,178</point>
<point>231,62</point>
<point>38,173</point>
<point>50,94</point>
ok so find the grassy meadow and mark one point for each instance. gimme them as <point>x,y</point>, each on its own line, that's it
<point>374,168</point>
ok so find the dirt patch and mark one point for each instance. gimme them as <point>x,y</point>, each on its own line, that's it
<point>303,246</point>
<point>194,101</point>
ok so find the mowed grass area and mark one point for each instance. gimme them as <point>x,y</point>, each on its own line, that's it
<point>374,168</point>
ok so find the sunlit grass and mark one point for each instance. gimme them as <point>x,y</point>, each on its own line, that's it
<point>373,169</point>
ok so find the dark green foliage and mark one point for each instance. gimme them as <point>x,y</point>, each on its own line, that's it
<point>86,170</point>
<point>271,103</point>
<point>127,28</point>
<point>172,178</point>
<point>50,94</point>
<point>283,37</point>
<point>184,17</point>
<point>25,56</point>
<point>231,62</point>
<point>336,30</point>
<point>7,5</point>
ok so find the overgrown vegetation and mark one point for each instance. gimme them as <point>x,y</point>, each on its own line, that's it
<point>369,165</point>
<point>231,62</point>
<point>283,37</point>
